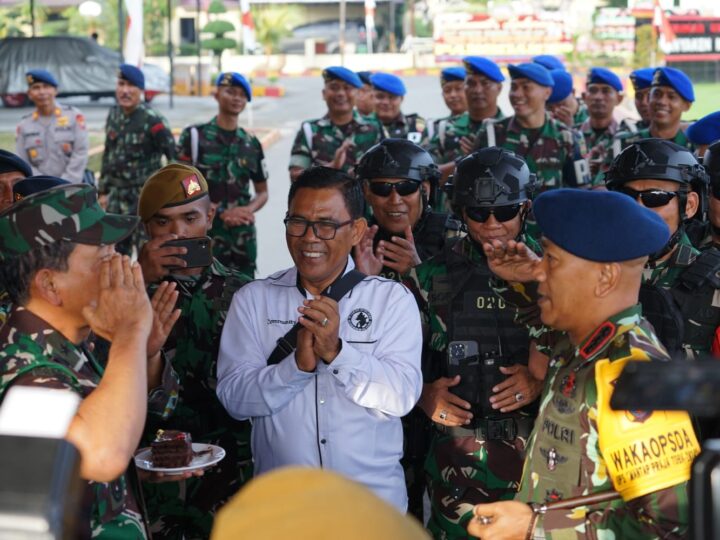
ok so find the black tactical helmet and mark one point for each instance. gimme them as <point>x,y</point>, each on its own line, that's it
<point>490,177</point>
<point>655,159</point>
<point>398,158</point>
<point>711,162</point>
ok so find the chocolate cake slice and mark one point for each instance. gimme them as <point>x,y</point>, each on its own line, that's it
<point>171,449</point>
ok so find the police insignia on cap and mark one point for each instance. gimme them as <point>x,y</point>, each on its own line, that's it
<point>227,79</point>
<point>657,78</point>
<point>191,185</point>
<point>17,197</point>
<point>30,79</point>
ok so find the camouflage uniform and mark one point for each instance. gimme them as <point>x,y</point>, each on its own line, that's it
<point>35,354</point>
<point>581,115</point>
<point>326,137</point>
<point>134,146</point>
<point>554,152</point>
<point>629,124</point>
<point>578,447</point>
<point>56,145</point>
<point>623,139</point>
<point>405,126</point>
<point>229,161</point>
<point>598,143</point>
<point>186,510</point>
<point>444,143</point>
<point>462,468</point>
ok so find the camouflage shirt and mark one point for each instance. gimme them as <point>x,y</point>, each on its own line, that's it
<point>623,139</point>
<point>444,143</point>
<point>598,142</point>
<point>32,353</point>
<point>229,160</point>
<point>134,146</point>
<point>581,115</point>
<point>188,508</point>
<point>554,152</point>
<point>578,447</point>
<point>318,140</point>
<point>405,126</point>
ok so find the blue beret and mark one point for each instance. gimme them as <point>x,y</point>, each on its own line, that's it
<point>388,83</point>
<point>675,79</point>
<point>230,78</point>
<point>563,85</point>
<point>342,74</point>
<point>642,78</point>
<point>706,130</point>
<point>364,76</point>
<point>35,184</point>
<point>588,224</point>
<point>40,75</point>
<point>9,162</point>
<point>534,72</point>
<point>133,75</point>
<point>600,75</point>
<point>483,66</point>
<point>456,73</point>
<point>548,61</point>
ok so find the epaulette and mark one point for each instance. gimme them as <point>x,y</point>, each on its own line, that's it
<point>705,269</point>
<point>598,340</point>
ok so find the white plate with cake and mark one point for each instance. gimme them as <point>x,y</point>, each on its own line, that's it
<point>174,452</point>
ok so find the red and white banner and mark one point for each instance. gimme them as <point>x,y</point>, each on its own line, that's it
<point>248,27</point>
<point>666,35</point>
<point>134,48</point>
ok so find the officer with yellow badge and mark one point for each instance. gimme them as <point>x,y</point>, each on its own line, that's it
<point>580,448</point>
<point>53,138</point>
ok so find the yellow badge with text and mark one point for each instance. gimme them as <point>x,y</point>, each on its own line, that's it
<point>644,451</point>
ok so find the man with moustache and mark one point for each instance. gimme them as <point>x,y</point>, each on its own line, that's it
<point>136,139</point>
<point>53,138</point>
<point>339,138</point>
<point>552,150</point>
<point>455,137</point>
<point>230,159</point>
<point>588,285</point>
<point>324,381</point>
<point>671,95</point>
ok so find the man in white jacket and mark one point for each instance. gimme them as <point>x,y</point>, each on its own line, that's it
<point>332,393</point>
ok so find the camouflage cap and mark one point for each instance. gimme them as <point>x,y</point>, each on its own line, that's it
<point>173,185</point>
<point>68,212</point>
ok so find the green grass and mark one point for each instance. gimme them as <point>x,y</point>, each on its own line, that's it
<point>706,101</point>
<point>7,141</point>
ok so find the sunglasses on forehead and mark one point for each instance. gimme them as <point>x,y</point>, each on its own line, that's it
<point>383,189</point>
<point>651,198</point>
<point>502,213</point>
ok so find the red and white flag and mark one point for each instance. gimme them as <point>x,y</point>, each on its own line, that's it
<point>666,35</point>
<point>134,48</point>
<point>248,27</point>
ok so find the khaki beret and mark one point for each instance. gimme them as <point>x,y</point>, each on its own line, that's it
<point>311,504</point>
<point>173,185</point>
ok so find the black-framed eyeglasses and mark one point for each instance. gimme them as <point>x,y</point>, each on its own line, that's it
<point>651,198</point>
<point>324,230</point>
<point>405,187</point>
<point>502,213</point>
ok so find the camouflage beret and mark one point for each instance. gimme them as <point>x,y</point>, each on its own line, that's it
<point>173,185</point>
<point>69,212</point>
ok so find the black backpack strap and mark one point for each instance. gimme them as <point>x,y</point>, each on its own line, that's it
<point>288,343</point>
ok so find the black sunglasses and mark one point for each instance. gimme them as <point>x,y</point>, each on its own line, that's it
<point>651,198</point>
<point>383,189</point>
<point>502,213</point>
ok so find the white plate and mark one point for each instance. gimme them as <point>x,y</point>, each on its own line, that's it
<point>143,459</point>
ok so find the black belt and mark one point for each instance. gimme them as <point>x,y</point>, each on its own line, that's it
<point>488,429</point>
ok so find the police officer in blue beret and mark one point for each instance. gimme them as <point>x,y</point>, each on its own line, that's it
<point>389,92</point>
<point>342,135</point>
<point>702,133</point>
<point>553,151</point>
<point>603,92</point>
<point>231,159</point>
<point>548,61</point>
<point>454,137</point>
<point>562,103</point>
<point>365,101</point>
<point>671,95</point>
<point>641,80</point>
<point>12,169</point>
<point>136,138</point>
<point>53,138</point>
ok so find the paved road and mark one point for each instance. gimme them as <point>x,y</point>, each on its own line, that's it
<point>302,101</point>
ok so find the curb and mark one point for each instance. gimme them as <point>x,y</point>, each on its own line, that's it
<point>268,91</point>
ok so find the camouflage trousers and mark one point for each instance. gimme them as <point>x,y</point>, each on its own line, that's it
<point>125,201</point>
<point>127,526</point>
<point>464,471</point>
<point>235,247</point>
<point>186,510</point>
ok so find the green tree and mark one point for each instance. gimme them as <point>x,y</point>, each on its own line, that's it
<point>647,52</point>
<point>218,43</point>
<point>273,23</point>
